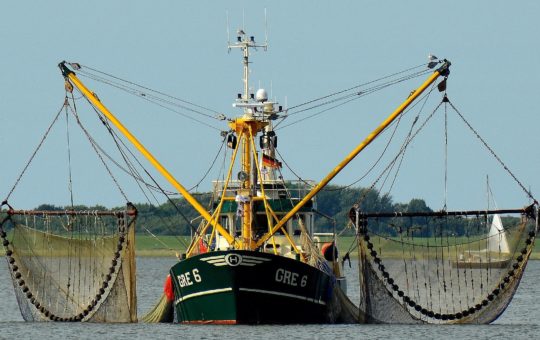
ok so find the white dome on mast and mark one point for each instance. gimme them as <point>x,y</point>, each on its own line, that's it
<point>261,95</point>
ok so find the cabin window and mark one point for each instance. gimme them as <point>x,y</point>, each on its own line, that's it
<point>260,225</point>
<point>224,221</point>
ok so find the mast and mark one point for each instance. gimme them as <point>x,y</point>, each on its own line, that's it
<point>247,126</point>
<point>244,43</point>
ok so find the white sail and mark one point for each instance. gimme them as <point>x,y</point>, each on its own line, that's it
<point>497,236</point>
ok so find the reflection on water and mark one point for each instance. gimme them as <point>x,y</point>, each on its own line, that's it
<point>521,320</point>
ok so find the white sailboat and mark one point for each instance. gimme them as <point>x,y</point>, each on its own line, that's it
<point>496,254</point>
<point>497,242</point>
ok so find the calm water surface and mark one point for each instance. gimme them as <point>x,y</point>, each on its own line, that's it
<point>521,320</point>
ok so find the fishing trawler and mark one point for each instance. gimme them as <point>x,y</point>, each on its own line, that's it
<point>254,258</point>
<point>248,260</point>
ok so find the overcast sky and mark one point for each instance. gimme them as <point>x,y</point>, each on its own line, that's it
<point>315,48</point>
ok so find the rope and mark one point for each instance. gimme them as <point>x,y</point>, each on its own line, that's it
<point>353,95</point>
<point>395,124</point>
<point>404,146</point>
<point>527,192</point>
<point>36,150</point>
<point>70,181</point>
<point>424,101</point>
<point>149,89</point>
<point>121,146</point>
<point>356,86</point>
<point>445,154</point>
<point>314,115</point>
<point>92,143</point>
<point>155,100</point>
<point>137,178</point>
<point>211,166</point>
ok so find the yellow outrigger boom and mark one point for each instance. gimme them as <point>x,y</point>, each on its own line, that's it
<point>70,75</point>
<point>441,71</point>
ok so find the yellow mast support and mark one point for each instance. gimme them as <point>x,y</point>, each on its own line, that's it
<point>222,199</point>
<point>443,70</point>
<point>68,74</point>
<point>244,126</point>
<point>269,212</point>
<point>246,192</point>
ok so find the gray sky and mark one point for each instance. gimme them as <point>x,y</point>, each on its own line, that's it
<point>315,48</point>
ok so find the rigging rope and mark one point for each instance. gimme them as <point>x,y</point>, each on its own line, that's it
<point>354,97</point>
<point>133,172</point>
<point>211,165</point>
<point>119,142</point>
<point>92,143</point>
<point>149,89</point>
<point>348,98</point>
<point>36,150</point>
<point>395,125</point>
<point>70,181</point>
<point>445,152</point>
<point>136,175</point>
<point>402,150</point>
<point>155,100</point>
<point>527,192</point>
<point>356,86</point>
<point>408,136</point>
<point>312,116</point>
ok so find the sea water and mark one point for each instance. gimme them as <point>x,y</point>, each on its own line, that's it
<point>521,320</point>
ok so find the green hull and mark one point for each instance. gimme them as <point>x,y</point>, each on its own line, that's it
<point>245,287</point>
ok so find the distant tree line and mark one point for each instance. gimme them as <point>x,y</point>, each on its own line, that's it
<point>334,202</point>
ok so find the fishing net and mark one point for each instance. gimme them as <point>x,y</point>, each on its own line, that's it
<point>72,265</point>
<point>442,267</point>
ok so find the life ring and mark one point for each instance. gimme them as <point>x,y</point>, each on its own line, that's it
<point>329,251</point>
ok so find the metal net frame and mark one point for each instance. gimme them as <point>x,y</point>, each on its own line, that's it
<point>72,265</point>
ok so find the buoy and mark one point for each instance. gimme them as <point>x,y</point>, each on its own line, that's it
<point>168,289</point>
<point>202,247</point>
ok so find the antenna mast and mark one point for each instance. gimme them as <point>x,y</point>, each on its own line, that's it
<point>245,42</point>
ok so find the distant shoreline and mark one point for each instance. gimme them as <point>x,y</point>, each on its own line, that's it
<point>170,246</point>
